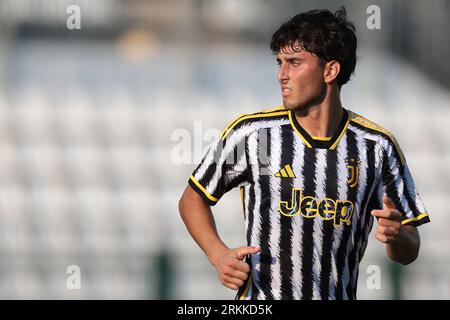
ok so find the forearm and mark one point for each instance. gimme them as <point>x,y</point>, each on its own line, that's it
<point>406,247</point>
<point>199,221</point>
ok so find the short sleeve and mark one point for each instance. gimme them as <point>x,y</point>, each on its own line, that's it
<point>398,184</point>
<point>224,167</point>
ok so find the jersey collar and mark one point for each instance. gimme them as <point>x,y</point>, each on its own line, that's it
<point>320,144</point>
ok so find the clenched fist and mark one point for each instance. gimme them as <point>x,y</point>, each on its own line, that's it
<point>231,268</point>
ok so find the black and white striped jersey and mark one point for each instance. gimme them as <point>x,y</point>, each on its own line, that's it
<point>307,201</point>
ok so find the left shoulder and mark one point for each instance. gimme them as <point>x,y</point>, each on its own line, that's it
<point>376,132</point>
<point>368,124</point>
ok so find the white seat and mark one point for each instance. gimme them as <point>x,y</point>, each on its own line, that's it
<point>118,121</point>
<point>76,123</point>
<point>96,214</point>
<point>42,164</point>
<point>130,166</point>
<point>15,220</point>
<point>141,220</point>
<point>86,165</point>
<point>31,122</point>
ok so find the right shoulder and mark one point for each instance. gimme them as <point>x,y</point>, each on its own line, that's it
<point>250,122</point>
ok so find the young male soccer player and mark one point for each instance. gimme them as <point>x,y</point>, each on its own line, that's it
<point>313,176</point>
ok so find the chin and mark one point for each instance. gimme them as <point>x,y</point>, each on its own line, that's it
<point>288,105</point>
<point>301,105</point>
<point>292,106</point>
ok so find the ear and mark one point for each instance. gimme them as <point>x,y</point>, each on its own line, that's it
<point>331,71</point>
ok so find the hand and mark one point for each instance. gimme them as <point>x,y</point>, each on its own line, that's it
<point>389,222</point>
<point>231,268</point>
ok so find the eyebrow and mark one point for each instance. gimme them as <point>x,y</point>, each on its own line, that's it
<point>290,59</point>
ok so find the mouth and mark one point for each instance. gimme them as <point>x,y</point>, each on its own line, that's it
<point>285,91</point>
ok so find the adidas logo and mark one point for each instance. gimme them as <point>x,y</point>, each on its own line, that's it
<point>285,172</point>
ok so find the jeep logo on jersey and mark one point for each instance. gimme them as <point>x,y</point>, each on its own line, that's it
<point>310,207</point>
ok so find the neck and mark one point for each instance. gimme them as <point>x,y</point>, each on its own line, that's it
<point>322,119</point>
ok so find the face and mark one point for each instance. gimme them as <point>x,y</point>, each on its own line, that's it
<point>301,76</point>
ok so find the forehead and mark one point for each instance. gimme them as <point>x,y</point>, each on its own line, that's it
<point>288,52</point>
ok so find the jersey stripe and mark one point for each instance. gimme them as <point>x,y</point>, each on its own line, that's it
<point>285,239</point>
<point>298,168</point>
<point>341,252</point>
<point>327,229</point>
<point>275,230</point>
<point>309,172</point>
<point>255,219</point>
<point>265,274</point>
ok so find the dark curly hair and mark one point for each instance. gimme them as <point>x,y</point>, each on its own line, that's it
<point>327,35</point>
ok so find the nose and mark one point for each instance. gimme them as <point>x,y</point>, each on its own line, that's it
<point>283,73</point>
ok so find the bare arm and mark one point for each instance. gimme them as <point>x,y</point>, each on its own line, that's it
<point>198,218</point>
<point>402,241</point>
<point>406,248</point>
